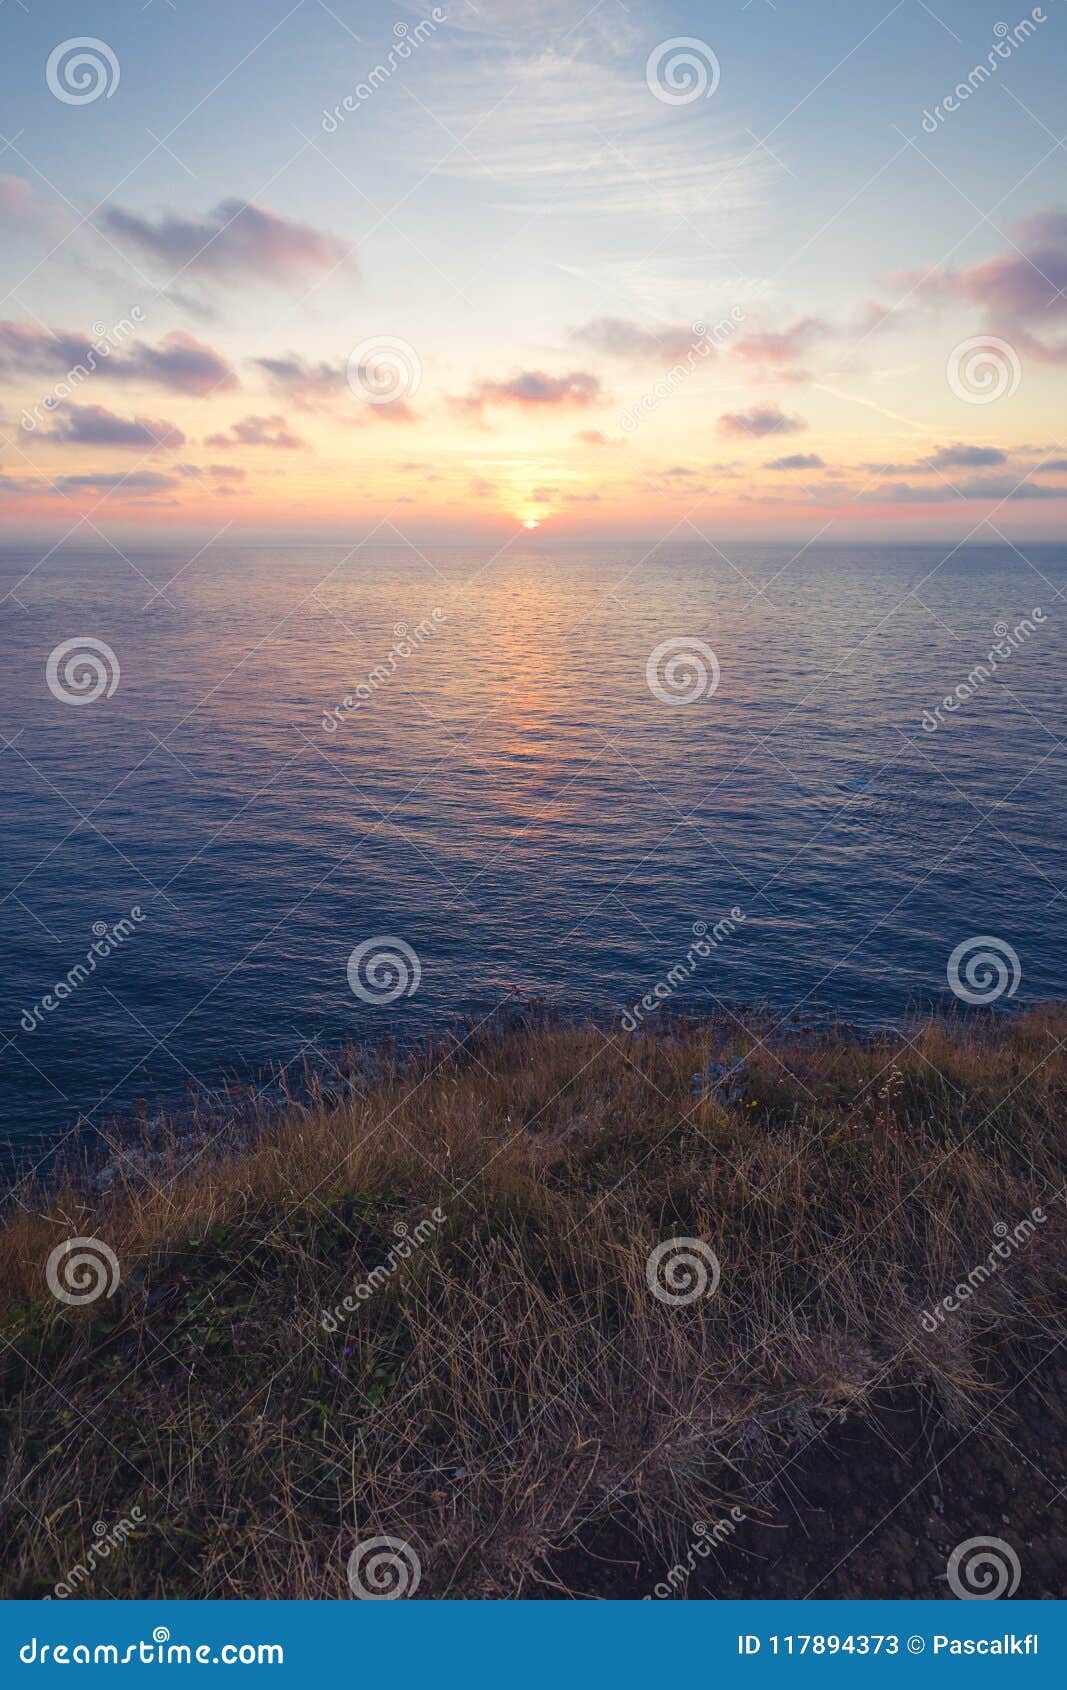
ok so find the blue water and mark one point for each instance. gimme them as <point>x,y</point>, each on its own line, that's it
<point>512,801</point>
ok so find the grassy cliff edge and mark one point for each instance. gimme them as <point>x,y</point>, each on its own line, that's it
<point>540,1305</point>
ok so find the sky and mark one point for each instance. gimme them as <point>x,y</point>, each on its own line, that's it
<point>779,271</point>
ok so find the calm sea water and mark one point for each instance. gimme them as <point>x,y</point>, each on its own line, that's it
<point>510,798</point>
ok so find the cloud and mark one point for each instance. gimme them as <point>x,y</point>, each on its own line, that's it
<point>994,487</point>
<point>621,338</point>
<point>533,390</point>
<point>21,211</point>
<point>216,472</point>
<point>393,410</point>
<point>303,383</point>
<point>782,348</point>
<point>92,425</point>
<point>140,481</point>
<point>178,363</point>
<point>797,460</point>
<point>606,28</point>
<point>966,457</point>
<point>182,364</point>
<point>759,421</point>
<point>237,241</point>
<point>957,456</point>
<point>311,387</point>
<point>584,141</point>
<point>1020,293</point>
<point>873,315</point>
<point>17,200</point>
<point>259,431</point>
<point>593,437</point>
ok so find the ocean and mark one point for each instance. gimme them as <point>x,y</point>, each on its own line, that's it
<point>297,797</point>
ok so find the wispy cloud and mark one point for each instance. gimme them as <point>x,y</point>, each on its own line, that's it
<point>780,351</point>
<point>216,472</point>
<point>136,481</point>
<point>620,337</point>
<point>273,432</point>
<point>581,137</point>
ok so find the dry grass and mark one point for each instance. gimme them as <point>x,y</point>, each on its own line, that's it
<point>514,1382</point>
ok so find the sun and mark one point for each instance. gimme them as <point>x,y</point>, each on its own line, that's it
<point>531,522</point>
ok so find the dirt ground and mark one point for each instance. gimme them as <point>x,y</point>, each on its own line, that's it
<point>874,1508</point>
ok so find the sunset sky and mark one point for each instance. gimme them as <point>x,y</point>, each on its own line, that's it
<point>596,296</point>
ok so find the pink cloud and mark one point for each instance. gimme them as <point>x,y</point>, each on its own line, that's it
<point>1020,293</point>
<point>22,211</point>
<point>782,346</point>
